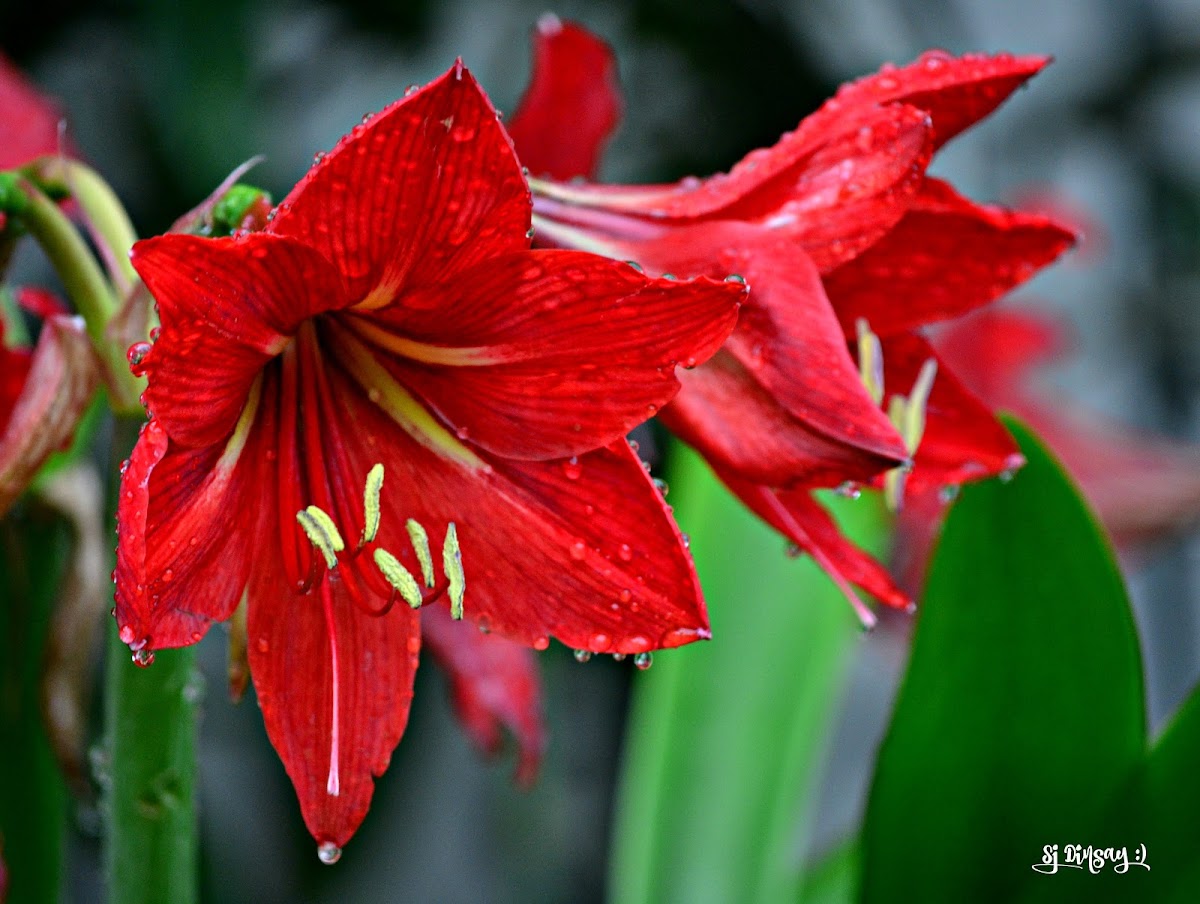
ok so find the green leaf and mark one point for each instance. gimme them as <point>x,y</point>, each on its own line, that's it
<point>1022,710</point>
<point>727,739</point>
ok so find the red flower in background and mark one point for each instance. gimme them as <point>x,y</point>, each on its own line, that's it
<point>1141,487</point>
<point>28,120</point>
<point>836,223</point>
<point>391,327</point>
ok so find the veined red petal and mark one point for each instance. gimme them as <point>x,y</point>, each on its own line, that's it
<point>804,521</point>
<point>29,125</point>
<point>581,549</point>
<point>426,187</point>
<point>494,685</point>
<point>726,415</point>
<point>572,104</point>
<point>956,91</point>
<point>947,256</point>
<point>334,727</point>
<point>963,441</point>
<point>48,394</point>
<point>547,354</point>
<point>227,306</point>
<point>848,181</point>
<point>200,510</point>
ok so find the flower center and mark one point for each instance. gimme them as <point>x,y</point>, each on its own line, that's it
<point>388,579</point>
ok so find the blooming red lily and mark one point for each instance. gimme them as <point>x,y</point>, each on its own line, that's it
<point>389,363</point>
<point>836,223</point>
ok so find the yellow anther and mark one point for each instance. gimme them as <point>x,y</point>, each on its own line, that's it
<point>371,504</point>
<point>870,360</point>
<point>420,544</point>
<point>452,563</point>
<point>399,577</point>
<point>319,537</point>
<point>914,410</point>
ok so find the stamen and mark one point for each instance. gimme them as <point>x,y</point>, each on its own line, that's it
<point>914,410</point>
<point>399,577</point>
<point>327,525</point>
<point>452,564</point>
<point>870,360</point>
<point>420,544</point>
<point>371,505</point>
<point>319,537</point>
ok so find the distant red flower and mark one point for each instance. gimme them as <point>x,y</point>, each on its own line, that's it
<point>834,224</point>
<point>389,357</point>
<point>28,120</point>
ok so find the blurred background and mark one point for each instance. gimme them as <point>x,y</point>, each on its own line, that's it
<point>164,99</point>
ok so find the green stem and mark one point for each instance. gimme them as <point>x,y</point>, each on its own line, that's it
<point>151,852</point>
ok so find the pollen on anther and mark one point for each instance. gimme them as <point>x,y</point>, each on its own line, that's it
<point>371,513</point>
<point>322,533</point>
<point>420,545</point>
<point>452,564</point>
<point>399,577</point>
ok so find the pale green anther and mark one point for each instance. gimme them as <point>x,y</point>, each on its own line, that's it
<point>399,577</point>
<point>893,488</point>
<point>371,504</point>
<point>420,545</point>
<point>318,537</point>
<point>914,410</point>
<point>870,360</point>
<point>896,408</point>
<point>452,563</point>
<point>318,515</point>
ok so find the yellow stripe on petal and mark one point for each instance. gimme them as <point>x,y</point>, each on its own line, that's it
<point>398,403</point>
<point>241,431</point>
<point>472,356</point>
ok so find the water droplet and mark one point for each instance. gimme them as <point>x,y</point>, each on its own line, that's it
<point>687,540</point>
<point>328,853</point>
<point>1007,475</point>
<point>125,466</point>
<point>264,646</point>
<point>652,409</point>
<point>136,355</point>
<point>598,641</point>
<point>541,643</point>
<point>143,658</point>
<point>643,661</point>
<point>578,550</point>
<point>624,596</point>
<point>529,233</point>
<point>948,493</point>
<point>318,157</point>
<point>636,266</point>
<point>736,277</point>
<point>848,490</point>
<point>670,276</point>
<point>689,362</point>
<point>792,551</point>
<point>572,468</point>
<point>624,552</point>
<point>126,633</point>
<point>583,655</point>
<point>661,486</point>
<point>411,90</point>
<point>618,657</point>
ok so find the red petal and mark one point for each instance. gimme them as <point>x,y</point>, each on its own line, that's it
<point>572,104</point>
<point>29,126</point>
<point>737,426</point>
<point>291,664</point>
<point>963,440</point>
<point>49,394</point>
<point>494,684</point>
<point>800,518</point>
<point>227,306</point>
<point>428,186</point>
<point>582,549</point>
<point>563,351</point>
<point>956,91</point>
<point>188,524</point>
<point>836,186</point>
<point>947,256</point>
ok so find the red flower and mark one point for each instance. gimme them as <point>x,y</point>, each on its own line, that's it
<point>43,392</point>
<point>834,224</point>
<point>29,122</point>
<point>391,328</point>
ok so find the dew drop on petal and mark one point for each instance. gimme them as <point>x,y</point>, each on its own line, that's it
<point>125,635</point>
<point>624,596</point>
<point>572,468</point>
<point>848,490</point>
<point>578,550</point>
<point>583,655</point>
<point>143,658</point>
<point>328,853</point>
<point>541,643</point>
<point>598,641</point>
<point>624,553</point>
<point>136,355</point>
<point>661,486</point>
<point>618,657</point>
<point>643,661</point>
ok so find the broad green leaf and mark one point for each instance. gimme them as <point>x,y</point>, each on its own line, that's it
<point>834,879</point>
<point>728,738</point>
<point>1022,710</point>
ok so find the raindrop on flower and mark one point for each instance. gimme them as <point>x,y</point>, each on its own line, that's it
<point>572,468</point>
<point>618,657</point>
<point>687,541</point>
<point>329,853</point>
<point>411,90</point>
<point>578,550</point>
<point>848,490</point>
<point>143,658</point>
<point>643,661</point>
<point>948,493</point>
<point>583,655</point>
<point>541,643</point>
<point>735,277</point>
<point>136,355</point>
<point>624,553</point>
<point>661,486</point>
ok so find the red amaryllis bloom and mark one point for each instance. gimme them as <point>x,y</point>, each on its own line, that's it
<point>837,223</point>
<point>43,392</point>
<point>28,120</point>
<point>387,365</point>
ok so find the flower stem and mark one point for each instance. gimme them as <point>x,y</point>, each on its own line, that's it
<point>151,852</point>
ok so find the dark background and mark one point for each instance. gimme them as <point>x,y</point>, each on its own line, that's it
<point>165,98</point>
